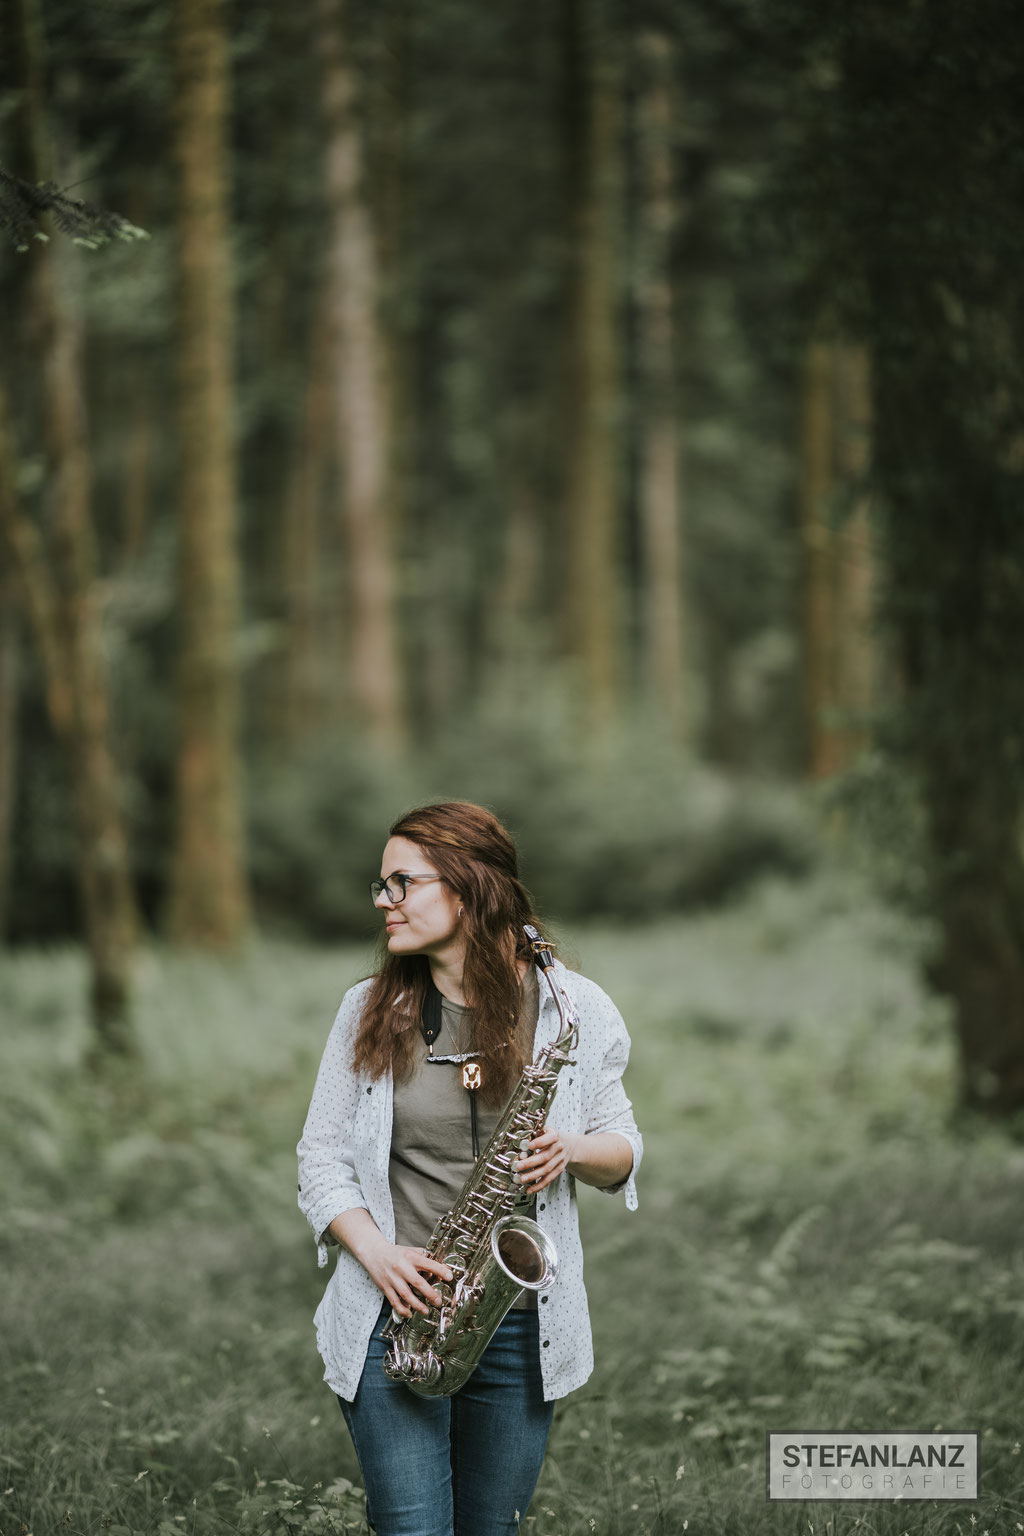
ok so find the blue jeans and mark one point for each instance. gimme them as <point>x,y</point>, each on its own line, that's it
<point>464,1465</point>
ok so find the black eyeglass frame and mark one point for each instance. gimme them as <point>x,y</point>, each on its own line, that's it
<point>378,887</point>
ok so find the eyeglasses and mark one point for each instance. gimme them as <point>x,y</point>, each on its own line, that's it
<point>396,886</point>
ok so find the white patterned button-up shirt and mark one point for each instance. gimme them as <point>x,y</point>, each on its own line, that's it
<point>343,1163</point>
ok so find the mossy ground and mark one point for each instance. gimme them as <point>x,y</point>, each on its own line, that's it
<point>817,1245</point>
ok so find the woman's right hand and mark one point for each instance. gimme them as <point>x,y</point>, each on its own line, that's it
<point>403,1274</point>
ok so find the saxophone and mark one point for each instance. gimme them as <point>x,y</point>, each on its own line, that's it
<point>493,1253</point>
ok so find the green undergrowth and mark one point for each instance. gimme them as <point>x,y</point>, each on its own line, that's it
<point>817,1245</point>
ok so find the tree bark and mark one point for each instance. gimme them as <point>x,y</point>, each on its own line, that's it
<point>838,564</point>
<point>62,604</point>
<point>515,641</point>
<point>10,649</point>
<point>955,593</point>
<point>61,593</point>
<point>855,550</point>
<point>926,246</point>
<point>817,430</point>
<point>658,423</point>
<point>136,497</point>
<point>209,902</point>
<point>302,685</point>
<point>592,621</point>
<point>361,417</point>
<point>37,584</point>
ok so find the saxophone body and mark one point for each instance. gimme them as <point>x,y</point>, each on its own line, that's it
<point>493,1251</point>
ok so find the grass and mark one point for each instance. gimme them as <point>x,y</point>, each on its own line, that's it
<point>815,1246</point>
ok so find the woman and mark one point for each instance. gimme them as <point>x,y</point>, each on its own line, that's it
<point>389,1142</point>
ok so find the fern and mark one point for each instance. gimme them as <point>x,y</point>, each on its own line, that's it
<point>23,204</point>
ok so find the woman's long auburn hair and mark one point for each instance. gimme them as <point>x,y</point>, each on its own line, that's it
<point>476,858</point>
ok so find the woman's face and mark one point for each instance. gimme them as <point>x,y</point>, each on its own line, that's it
<point>427,921</point>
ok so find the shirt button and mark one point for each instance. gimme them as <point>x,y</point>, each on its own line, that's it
<point>544,1300</point>
<point>546,1343</point>
<point>369,1090</point>
<point>542,1207</point>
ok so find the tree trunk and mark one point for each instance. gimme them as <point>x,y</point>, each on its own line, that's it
<point>955,591</point>
<point>209,903</point>
<point>62,603</point>
<point>927,250</point>
<point>838,569</point>
<point>302,685</point>
<point>592,624</point>
<point>105,879</point>
<point>855,552</point>
<point>37,583</point>
<point>62,599</point>
<point>817,431</point>
<point>657,431</point>
<point>135,504</point>
<point>9,670</point>
<point>362,425</point>
<point>515,640</point>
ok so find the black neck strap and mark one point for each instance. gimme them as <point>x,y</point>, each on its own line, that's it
<point>430,1022</point>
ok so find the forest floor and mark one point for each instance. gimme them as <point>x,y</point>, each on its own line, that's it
<point>817,1247</point>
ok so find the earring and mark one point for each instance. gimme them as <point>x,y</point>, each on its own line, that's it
<point>460,911</point>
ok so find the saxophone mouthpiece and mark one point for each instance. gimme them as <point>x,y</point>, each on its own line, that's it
<point>540,946</point>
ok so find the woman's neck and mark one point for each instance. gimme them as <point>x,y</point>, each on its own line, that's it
<point>446,972</point>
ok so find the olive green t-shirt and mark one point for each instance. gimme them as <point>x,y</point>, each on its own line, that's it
<point>431,1136</point>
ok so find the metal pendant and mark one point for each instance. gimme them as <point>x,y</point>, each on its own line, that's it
<point>471,1077</point>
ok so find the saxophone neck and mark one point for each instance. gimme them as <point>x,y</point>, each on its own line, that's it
<point>545,962</point>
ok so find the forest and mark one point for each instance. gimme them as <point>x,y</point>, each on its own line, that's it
<point>581,408</point>
<point>611,413</point>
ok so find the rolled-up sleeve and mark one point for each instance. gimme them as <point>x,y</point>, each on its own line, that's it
<point>328,1182</point>
<point>610,1109</point>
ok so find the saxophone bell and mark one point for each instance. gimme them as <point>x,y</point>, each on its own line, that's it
<point>525,1253</point>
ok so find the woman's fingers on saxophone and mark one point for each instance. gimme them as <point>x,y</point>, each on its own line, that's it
<point>548,1155</point>
<point>403,1308</point>
<point>425,1268</point>
<point>405,1286</point>
<point>433,1266</point>
<point>410,1302</point>
<point>397,1292</point>
<point>421,1291</point>
<point>400,1295</point>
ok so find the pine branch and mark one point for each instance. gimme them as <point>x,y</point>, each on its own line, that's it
<point>22,206</point>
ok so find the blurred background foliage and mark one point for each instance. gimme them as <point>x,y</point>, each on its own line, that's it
<point>610,413</point>
<point>580,408</point>
<point>467,138</point>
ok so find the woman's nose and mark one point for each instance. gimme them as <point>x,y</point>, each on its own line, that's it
<point>383,900</point>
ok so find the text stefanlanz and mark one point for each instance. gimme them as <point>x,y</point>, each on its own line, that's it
<point>839,1456</point>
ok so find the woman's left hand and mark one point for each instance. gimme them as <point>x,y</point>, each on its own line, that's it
<point>549,1155</point>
